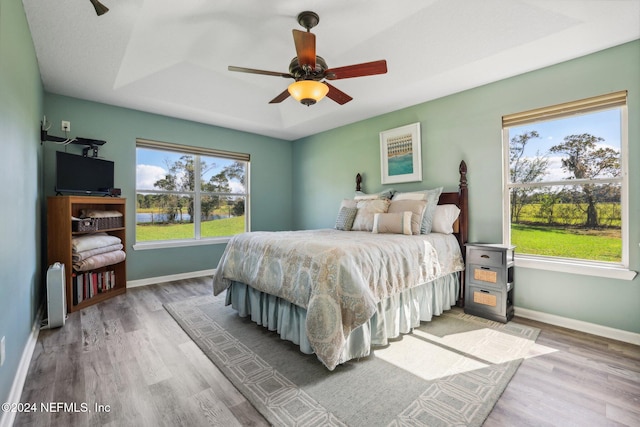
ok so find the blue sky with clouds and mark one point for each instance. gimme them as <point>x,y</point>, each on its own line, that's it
<point>152,165</point>
<point>605,124</point>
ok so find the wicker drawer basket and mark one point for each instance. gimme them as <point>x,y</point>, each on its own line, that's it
<point>110,222</point>
<point>91,223</point>
<point>85,224</point>
<point>103,219</point>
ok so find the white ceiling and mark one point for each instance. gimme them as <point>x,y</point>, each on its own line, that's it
<point>170,56</point>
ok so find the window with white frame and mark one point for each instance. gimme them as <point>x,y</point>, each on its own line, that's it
<point>188,194</point>
<point>566,182</point>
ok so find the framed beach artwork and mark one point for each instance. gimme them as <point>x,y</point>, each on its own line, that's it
<point>400,157</point>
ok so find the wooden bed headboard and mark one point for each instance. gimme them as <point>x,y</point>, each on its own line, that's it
<point>459,198</point>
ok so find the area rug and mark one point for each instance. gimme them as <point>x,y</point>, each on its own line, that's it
<point>450,371</point>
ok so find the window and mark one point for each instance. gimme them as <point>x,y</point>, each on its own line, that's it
<point>566,183</point>
<point>187,195</point>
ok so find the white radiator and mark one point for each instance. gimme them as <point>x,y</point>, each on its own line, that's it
<point>56,298</point>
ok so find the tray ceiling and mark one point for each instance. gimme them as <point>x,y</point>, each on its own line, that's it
<point>170,57</point>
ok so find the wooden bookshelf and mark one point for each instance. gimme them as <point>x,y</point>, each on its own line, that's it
<point>60,210</point>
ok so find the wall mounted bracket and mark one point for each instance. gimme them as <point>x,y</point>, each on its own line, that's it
<point>90,144</point>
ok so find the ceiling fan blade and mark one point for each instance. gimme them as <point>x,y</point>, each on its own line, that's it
<point>305,48</point>
<point>284,95</point>
<point>254,71</point>
<point>357,70</point>
<point>337,95</point>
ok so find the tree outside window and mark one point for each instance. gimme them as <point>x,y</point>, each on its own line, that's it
<point>564,182</point>
<point>188,195</point>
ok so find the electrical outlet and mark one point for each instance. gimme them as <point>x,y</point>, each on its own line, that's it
<point>2,352</point>
<point>66,126</point>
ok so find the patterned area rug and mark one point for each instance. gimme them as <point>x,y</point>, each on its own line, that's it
<point>450,371</point>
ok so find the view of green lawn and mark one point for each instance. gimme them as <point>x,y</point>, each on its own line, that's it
<point>220,227</point>
<point>599,245</point>
<point>558,230</point>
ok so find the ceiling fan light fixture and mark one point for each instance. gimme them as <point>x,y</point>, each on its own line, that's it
<point>310,71</point>
<point>308,92</point>
<point>99,7</point>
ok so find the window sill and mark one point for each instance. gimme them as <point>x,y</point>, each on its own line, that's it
<point>576,267</point>
<point>143,246</point>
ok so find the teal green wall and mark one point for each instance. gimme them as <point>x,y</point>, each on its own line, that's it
<point>271,172</point>
<point>20,165</point>
<point>467,126</point>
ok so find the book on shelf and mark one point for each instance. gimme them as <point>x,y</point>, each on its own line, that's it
<point>89,284</point>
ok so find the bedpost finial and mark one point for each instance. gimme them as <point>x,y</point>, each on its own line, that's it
<point>358,182</point>
<point>463,167</point>
<point>463,174</point>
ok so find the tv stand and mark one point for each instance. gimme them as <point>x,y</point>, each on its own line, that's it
<point>60,233</point>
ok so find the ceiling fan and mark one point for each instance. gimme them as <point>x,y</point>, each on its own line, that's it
<point>310,71</point>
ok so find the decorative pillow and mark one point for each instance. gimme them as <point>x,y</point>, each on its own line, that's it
<point>345,218</point>
<point>416,207</point>
<point>432,202</point>
<point>413,195</point>
<point>444,217</point>
<point>397,223</point>
<point>366,210</point>
<point>348,203</point>
<point>385,194</point>
<point>431,196</point>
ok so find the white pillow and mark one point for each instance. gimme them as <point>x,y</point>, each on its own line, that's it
<point>397,223</point>
<point>415,195</point>
<point>366,197</point>
<point>384,194</point>
<point>444,217</point>
<point>348,203</point>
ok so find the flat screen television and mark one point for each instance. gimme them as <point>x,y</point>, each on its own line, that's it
<point>79,174</point>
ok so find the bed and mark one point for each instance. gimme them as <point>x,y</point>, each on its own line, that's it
<point>338,293</point>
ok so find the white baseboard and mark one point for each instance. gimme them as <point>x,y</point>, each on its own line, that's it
<point>579,325</point>
<point>7,418</point>
<point>172,277</point>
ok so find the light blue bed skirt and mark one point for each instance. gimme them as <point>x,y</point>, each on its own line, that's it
<point>396,315</point>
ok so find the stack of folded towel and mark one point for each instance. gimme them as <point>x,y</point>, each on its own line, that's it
<point>91,251</point>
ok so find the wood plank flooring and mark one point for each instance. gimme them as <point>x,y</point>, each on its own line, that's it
<point>128,353</point>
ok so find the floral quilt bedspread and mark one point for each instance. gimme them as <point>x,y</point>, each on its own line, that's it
<point>337,276</point>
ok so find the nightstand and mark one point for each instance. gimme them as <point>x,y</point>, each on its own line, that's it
<point>489,281</point>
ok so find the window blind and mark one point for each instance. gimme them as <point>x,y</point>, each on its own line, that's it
<point>615,99</point>
<point>169,146</point>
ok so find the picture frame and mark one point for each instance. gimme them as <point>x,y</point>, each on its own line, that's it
<point>400,154</point>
